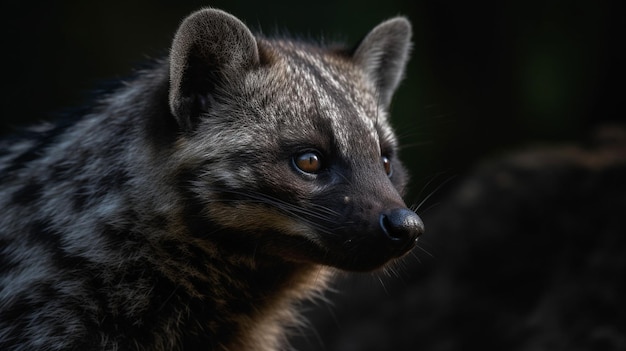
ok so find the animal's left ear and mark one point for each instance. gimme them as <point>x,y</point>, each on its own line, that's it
<point>383,54</point>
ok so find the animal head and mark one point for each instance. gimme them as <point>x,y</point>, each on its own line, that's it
<point>290,141</point>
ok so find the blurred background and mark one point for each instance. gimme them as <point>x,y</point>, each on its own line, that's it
<point>486,79</point>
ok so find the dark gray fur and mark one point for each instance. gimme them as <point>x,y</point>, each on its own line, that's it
<point>172,215</point>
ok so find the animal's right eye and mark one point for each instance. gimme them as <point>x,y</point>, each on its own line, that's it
<point>308,162</point>
<point>387,165</point>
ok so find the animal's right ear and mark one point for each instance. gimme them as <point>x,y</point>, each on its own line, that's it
<point>210,48</point>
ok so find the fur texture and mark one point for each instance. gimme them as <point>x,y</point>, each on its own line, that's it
<point>196,205</point>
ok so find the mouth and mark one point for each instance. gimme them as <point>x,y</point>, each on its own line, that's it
<point>369,255</point>
<point>368,248</point>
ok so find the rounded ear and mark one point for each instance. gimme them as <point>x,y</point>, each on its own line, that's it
<point>210,48</point>
<point>383,54</point>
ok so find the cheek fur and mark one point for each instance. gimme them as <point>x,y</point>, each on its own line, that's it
<point>260,219</point>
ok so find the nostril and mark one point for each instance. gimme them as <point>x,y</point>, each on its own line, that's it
<point>386,226</point>
<point>401,225</point>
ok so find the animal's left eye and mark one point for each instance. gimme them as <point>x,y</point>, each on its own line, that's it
<point>387,165</point>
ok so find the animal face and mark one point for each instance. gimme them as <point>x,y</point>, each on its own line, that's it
<point>291,142</point>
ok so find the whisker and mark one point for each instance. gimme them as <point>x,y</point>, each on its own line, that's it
<point>430,208</point>
<point>432,179</point>
<point>262,198</point>
<point>296,211</point>
<point>433,192</point>
<point>405,146</point>
<point>413,254</point>
<point>424,251</point>
<point>382,284</point>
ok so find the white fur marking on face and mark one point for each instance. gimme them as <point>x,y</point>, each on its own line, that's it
<point>325,76</point>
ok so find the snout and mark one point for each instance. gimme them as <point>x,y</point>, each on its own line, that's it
<point>389,234</point>
<point>400,229</point>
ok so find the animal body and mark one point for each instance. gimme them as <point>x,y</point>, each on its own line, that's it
<point>193,207</point>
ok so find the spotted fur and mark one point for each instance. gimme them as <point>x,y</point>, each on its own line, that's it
<point>171,215</point>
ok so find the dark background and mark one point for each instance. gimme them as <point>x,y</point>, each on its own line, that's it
<point>485,79</point>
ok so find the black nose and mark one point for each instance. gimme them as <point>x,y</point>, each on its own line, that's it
<point>402,226</point>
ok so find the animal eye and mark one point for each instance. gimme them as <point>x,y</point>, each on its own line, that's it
<point>387,165</point>
<point>308,162</point>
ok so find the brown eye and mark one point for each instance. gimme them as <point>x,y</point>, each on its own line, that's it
<point>387,165</point>
<point>308,162</point>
